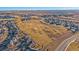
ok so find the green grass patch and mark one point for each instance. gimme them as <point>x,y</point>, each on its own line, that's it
<point>7,19</point>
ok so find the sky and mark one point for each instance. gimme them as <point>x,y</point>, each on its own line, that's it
<point>38,8</point>
<point>41,3</point>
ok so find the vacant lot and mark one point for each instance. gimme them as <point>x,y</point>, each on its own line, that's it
<point>46,36</point>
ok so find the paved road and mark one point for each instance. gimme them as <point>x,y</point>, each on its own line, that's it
<point>63,46</point>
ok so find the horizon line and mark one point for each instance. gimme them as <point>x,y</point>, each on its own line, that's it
<point>37,8</point>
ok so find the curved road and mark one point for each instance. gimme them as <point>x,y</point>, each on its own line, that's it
<point>63,46</point>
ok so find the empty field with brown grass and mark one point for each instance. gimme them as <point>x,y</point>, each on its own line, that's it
<point>46,36</point>
<point>74,46</point>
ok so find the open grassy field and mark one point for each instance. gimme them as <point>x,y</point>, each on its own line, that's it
<point>74,46</point>
<point>44,35</point>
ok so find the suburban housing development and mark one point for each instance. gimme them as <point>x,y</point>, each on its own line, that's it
<point>39,30</point>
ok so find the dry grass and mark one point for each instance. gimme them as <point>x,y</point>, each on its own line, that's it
<point>74,46</point>
<point>42,34</point>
